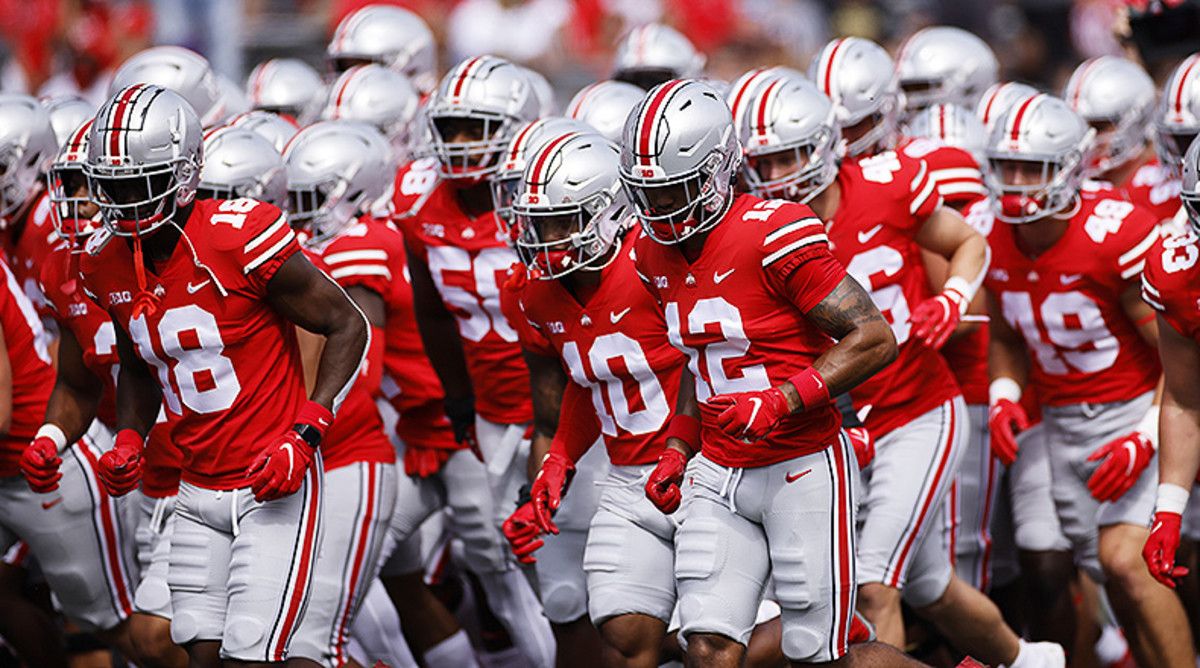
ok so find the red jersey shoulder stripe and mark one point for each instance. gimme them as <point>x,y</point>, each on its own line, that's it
<point>1133,260</point>
<point>272,240</point>
<point>791,237</point>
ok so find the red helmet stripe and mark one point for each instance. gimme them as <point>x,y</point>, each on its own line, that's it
<point>1019,116</point>
<point>573,111</point>
<point>941,109</point>
<point>259,75</point>
<point>987,109</point>
<point>763,103</point>
<point>1077,91</point>
<point>120,111</point>
<point>827,75</point>
<point>1177,93</point>
<point>544,159</point>
<point>347,77</point>
<point>77,138</point>
<point>743,89</point>
<point>519,141</point>
<point>463,72</point>
<point>650,118</point>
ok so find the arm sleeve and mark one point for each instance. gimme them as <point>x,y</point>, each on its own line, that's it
<point>269,244</point>
<point>798,264</point>
<point>923,196</point>
<point>578,427</point>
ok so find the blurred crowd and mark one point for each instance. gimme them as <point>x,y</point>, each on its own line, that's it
<point>54,47</point>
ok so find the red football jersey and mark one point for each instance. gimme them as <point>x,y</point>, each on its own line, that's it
<point>357,433</point>
<point>956,172</point>
<point>63,287</point>
<point>1066,303</point>
<point>228,365</point>
<point>967,355</point>
<point>1171,281</point>
<point>614,343</point>
<point>25,254</point>
<point>370,253</point>
<point>468,260</point>
<point>162,461</point>
<point>738,313</point>
<point>32,373</point>
<point>1153,188</point>
<point>884,200</point>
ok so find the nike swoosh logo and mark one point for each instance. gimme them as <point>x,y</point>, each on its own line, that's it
<point>718,276</point>
<point>47,505</point>
<point>1068,279</point>
<point>615,317</point>
<point>754,413</point>
<point>793,477</point>
<point>1132,458</point>
<point>194,288</point>
<point>865,235</point>
<point>291,458</point>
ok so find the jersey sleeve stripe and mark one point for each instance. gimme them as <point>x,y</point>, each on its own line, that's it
<point>356,255</point>
<point>922,197</point>
<point>1133,269</point>
<point>791,227</point>
<point>920,177</point>
<point>795,245</point>
<point>278,246</point>
<point>360,270</point>
<point>962,187</point>
<point>266,234</point>
<point>1150,295</point>
<point>1139,250</point>
<point>956,173</point>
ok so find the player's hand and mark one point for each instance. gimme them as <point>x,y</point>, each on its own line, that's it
<point>1006,419</point>
<point>423,462</point>
<point>1161,546</point>
<point>279,469</point>
<point>521,530</point>
<point>864,445</point>
<point>750,415</point>
<point>120,469</point>
<point>934,319</point>
<point>663,486</point>
<point>548,487</point>
<point>39,465</point>
<point>1124,460</point>
<point>461,413</point>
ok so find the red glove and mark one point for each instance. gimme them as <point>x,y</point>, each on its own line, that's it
<point>1006,419</point>
<point>279,469</point>
<point>934,319</point>
<point>548,487</point>
<point>1124,460</point>
<point>423,462</point>
<point>864,445</point>
<point>39,465</point>
<point>120,469</point>
<point>522,532</point>
<point>1161,546</point>
<point>750,415</point>
<point>663,486</point>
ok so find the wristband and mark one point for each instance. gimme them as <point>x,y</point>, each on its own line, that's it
<point>811,387</point>
<point>1146,319</point>
<point>685,428</point>
<point>1149,425</point>
<point>55,434</point>
<point>1003,388</point>
<point>963,288</point>
<point>314,415</point>
<point>1171,499</point>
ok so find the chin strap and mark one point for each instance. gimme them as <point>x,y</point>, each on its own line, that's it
<point>144,302</point>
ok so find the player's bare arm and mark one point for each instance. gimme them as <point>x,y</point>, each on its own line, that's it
<point>6,387</point>
<point>138,393</point>
<point>865,343</point>
<point>439,331</point>
<point>1006,350</point>
<point>546,382</point>
<point>309,299</point>
<point>72,405</point>
<point>1179,421</point>
<point>946,233</point>
<point>1140,314</point>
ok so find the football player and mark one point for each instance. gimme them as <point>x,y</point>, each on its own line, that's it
<point>604,106</point>
<point>350,164</point>
<point>285,86</point>
<point>204,295</point>
<point>944,65</point>
<point>881,211</point>
<point>653,53</point>
<point>751,294</point>
<point>378,96</point>
<point>458,258</point>
<point>1116,98</point>
<point>386,35</point>
<point>181,70</point>
<point>1066,319</point>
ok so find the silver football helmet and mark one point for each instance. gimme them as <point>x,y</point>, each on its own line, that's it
<point>951,125</point>
<point>1189,190</point>
<point>858,76</point>
<point>654,53</point>
<point>569,207</point>
<point>390,36</point>
<point>73,215</point>
<point>527,139</point>
<point>1177,120</point>
<point>378,96</point>
<point>178,69</point>
<point>1038,151</point>
<point>145,152</point>
<point>336,170</point>
<point>605,105</point>
<point>241,163</point>
<point>679,159</point>
<point>999,98</point>
<point>745,86</point>
<point>27,146</point>
<point>1115,96</point>
<point>944,65</point>
<point>285,86</point>
<point>547,105</point>
<point>790,139</point>
<point>473,114</point>
<point>272,127</point>
<point>67,113</point>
